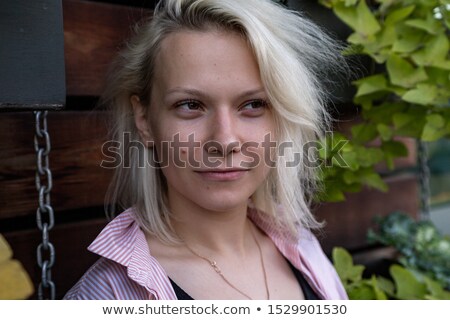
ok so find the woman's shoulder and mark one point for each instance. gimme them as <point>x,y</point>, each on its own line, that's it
<point>106,280</point>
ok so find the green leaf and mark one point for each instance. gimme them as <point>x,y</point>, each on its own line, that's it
<point>362,292</point>
<point>395,148</point>
<point>436,120</point>
<point>431,26</point>
<point>385,131</point>
<point>350,177</point>
<point>408,39</point>
<point>374,180</point>
<point>355,187</point>
<point>402,73</point>
<point>439,77</point>
<point>333,146</point>
<point>411,122</point>
<point>408,287</point>
<point>386,37</point>
<point>423,94</point>
<point>379,294</point>
<point>389,162</point>
<point>367,157</point>
<point>351,160</point>
<point>386,285</point>
<point>402,119</point>
<point>433,128</point>
<point>399,91</point>
<point>371,84</point>
<point>364,132</point>
<point>434,52</point>
<point>327,3</point>
<point>365,176</point>
<point>436,290</point>
<point>385,4</point>
<point>353,49</point>
<point>383,113</point>
<point>333,193</point>
<point>442,64</point>
<point>359,18</point>
<point>343,262</point>
<point>366,101</point>
<point>359,39</point>
<point>349,3</point>
<point>398,15</point>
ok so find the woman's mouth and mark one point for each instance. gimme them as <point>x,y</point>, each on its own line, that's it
<point>223,175</point>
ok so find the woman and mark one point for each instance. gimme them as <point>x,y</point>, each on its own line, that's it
<point>217,209</point>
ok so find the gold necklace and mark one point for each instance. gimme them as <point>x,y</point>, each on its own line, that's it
<point>216,268</point>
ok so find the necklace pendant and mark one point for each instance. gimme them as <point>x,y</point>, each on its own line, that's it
<point>215,267</point>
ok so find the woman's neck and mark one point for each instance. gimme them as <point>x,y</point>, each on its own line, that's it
<point>224,233</point>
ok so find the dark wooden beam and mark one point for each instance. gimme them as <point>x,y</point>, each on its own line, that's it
<point>31,55</point>
<point>93,34</point>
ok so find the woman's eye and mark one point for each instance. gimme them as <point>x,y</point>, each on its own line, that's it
<point>255,106</point>
<point>188,105</point>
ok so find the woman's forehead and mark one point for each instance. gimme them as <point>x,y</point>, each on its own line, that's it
<point>206,58</point>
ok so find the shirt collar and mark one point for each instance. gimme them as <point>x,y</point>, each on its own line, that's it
<point>124,242</point>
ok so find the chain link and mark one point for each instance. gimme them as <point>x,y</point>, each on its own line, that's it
<point>424,180</point>
<point>45,218</point>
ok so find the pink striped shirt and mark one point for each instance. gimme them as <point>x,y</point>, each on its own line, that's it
<point>126,269</point>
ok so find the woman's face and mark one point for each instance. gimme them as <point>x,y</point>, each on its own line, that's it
<point>209,116</point>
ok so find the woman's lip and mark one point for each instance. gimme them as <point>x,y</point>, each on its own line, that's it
<point>222,175</point>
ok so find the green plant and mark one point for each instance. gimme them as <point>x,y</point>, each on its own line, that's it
<point>407,92</point>
<point>420,244</point>
<point>405,284</point>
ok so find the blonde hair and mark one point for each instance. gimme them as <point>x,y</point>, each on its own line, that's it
<point>293,54</point>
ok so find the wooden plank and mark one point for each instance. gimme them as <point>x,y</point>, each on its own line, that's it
<point>72,258</point>
<point>32,55</point>
<point>347,222</point>
<point>78,179</point>
<point>93,34</point>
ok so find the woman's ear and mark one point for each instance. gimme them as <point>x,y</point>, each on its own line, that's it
<point>141,122</point>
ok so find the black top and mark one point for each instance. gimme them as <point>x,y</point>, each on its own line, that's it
<point>309,293</point>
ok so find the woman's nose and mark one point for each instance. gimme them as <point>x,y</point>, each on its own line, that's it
<point>223,137</point>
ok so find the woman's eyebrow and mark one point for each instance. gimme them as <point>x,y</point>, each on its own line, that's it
<point>252,92</point>
<point>190,91</point>
<point>199,93</point>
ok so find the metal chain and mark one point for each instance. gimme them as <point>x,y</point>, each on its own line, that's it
<point>424,180</point>
<point>45,218</point>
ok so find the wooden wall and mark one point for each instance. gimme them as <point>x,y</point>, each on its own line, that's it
<point>93,33</point>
